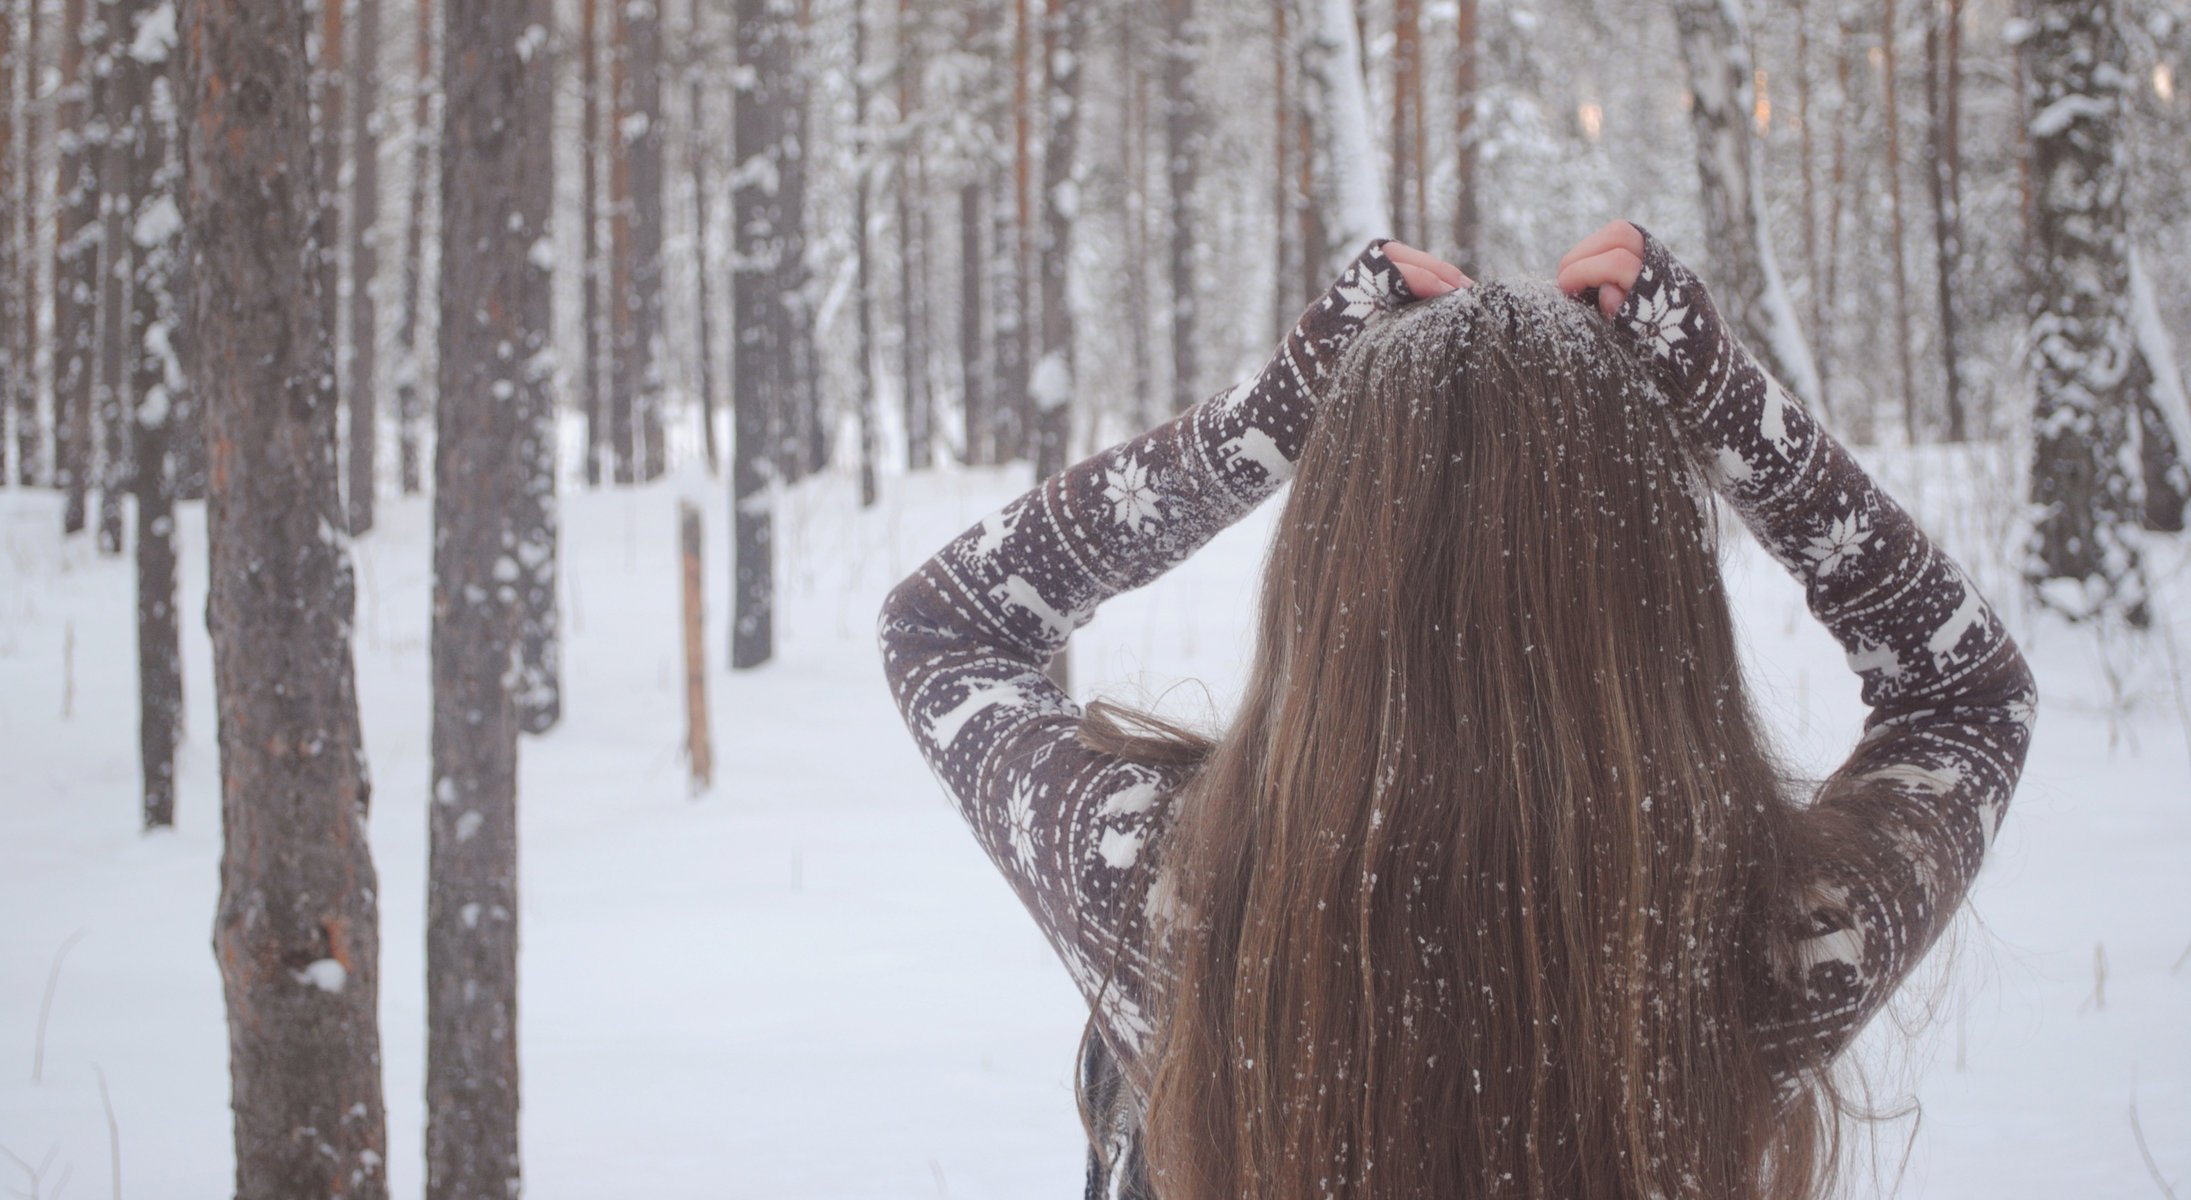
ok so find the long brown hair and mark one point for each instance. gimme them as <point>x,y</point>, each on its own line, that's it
<point>1475,894</point>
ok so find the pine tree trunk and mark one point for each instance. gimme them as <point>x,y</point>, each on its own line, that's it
<point>496,131</point>
<point>624,353</point>
<point>592,397</point>
<point>1284,217</point>
<point>1407,118</point>
<point>703,263</point>
<point>75,270</point>
<point>1897,235</point>
<point>11,286</point>
<point>642,134</point>
<point>111,112</point>
<point>978,395</point>
<point>1133,138</point>
<point>1016,331</point>
<point>1744,274</point>
<point>297,933</point>
<point>797,397</point>
<point>23,199</point>
<point>758,128</point>
<point>2084,561</point>
<point>864,280</point>
<point>539,694</point>
<point>1054,386</point>
<point>1182,170</point>
<point>362,394</point>
<point>410,373</point>
<point>1943,93</point>
<point>157,378</point>
<point>329,79</point>
<point>912,252</point>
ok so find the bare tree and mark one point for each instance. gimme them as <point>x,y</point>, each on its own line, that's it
<point>297,935</point>
<point>1182,170</point>
<point>1054,387</point>
<point>1715,51</point>
<point>362,394</point>
<point>914,394</point>
<point>75,269</point>
<point>759,130</point>
<point>110,117</point>
<point>410,403</point>
<point>497,128</point>
<point>636,238</point>
<point>1944,108</point>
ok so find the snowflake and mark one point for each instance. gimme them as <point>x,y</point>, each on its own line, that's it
<point>1364,291</point>
<point>1661,320</point>
<point>1132,493</point>
<point>1019,815</point>
<point>1843,540</point>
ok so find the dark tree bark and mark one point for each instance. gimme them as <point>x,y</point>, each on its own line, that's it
<point>638,131</point>
<point>75,270</point>
<point>330,78</point>
<point>2084,561</point>
<point>1467,215</point>
<point>1015,302</point>
<point>696,162</point>
<point>1944,107</point>
<point>864,280</point>
<point>1745,279</point>
<point>11,285</point>
<point>1053,386</point>
<point>1408,168</point>
<point>156,379</point>
<point>496,128</point>
<point>1890,81</point>
<point>766,42</point>
<point>624,372</point>
<point>797,395</point>
<point>112,113</point>
<point>410,374</point>
<point>362,394</point>
<point>979,421</point>
<point>536,530</point>
<point>593,398</point>
<point>297,934</point>
<point>24,200</point>
<point>914,393</point>
<point>1133,141</point>
<point>1182,167</point>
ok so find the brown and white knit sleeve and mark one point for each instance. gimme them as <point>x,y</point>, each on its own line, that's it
<point>966,636</point>
<point>1951,698</point>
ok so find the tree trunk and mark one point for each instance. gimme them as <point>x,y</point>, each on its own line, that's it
<point>979,422</point>
<point>496,129</point>
<point>1467,218</point>
<point>1891,82</point>
<point>1814,277</point>
<point>410,375</point>
<point>918,404</point>
<point>329,77</point>
<point>539,694</point>
<point>592,398</point>
<point>1054,386</point>
<point>112,112</point>
<point>1284,216</point>
<point>2084,561</point>
<point>1407,122</point>
<point>22,197</point>
<point>864,279</point>
<point>10,285</point>
<point>798,396</point>
<point>624,353</point>
<point>2163,423</point>
<point>297,933</point>
<point>1350,198</point>
<point>692,590</point>
<point>1015,330</point>
<point>156,378</point>
<point>703,262</point>
<point>363,398</point>
<point>1944,96</point>
<point>1745,275</point>
<point>75,270</point>
<point>1182,167</point>
<point>641,131</point>
<point>758,129</point>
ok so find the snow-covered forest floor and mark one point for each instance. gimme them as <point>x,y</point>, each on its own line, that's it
<point>809,983</point>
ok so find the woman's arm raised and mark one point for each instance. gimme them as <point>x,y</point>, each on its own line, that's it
<point>966,636</point>
<point>1915,807</point>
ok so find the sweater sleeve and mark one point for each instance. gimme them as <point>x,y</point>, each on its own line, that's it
<point>1915,807</point>
<point>966,636</point>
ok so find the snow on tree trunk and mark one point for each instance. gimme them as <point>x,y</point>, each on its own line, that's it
<point>410,401</point>
<point>330,76</point>
<point>592,397</point>
<point>703,306</point>
<point>2164,410</point>
<point>155,245</point>
<point>1182,169</point>
<point>978,421</point>
<point>792,416</point>
<point>1053,387</point>
<point>760,128</point>
<point>75,269</point>
<point>1351,196</point>
<point>111,114</point>
<point>540,641</point>
<point>917,397</point>
<point>640,130</point>
<point>497,126</point>
<point>297,930</point>
<point>864,276</point>
<point>362,393</point>
<point>1746,281</point>
<point>1944,106</point>
<point>2083,559</point>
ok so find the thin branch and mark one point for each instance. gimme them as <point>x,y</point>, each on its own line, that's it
<point>45,1006</point>
<point>114,1130</point>
<point>2152,1168</point>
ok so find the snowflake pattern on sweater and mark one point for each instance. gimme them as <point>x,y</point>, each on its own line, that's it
<point>965,638</point>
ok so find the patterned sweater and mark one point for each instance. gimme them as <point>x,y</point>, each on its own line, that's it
<point>965,638</point>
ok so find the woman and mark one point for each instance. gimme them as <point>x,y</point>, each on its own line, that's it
<point>1491,887</point>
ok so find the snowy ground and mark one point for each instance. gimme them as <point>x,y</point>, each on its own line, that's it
<point>809,983</point>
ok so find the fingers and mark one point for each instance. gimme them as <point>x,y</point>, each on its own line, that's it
<point>1609,297</point>
<point>1421,281</point>
<point>1405,256</point>
<point>1615,269</point>
<point>1612,234</point>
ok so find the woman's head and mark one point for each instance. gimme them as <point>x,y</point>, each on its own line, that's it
<point>1468,890</point>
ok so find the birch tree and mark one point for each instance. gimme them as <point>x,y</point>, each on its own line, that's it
<point>1745,275</point>
<point>297,931</point>
<point>1349,197</point>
